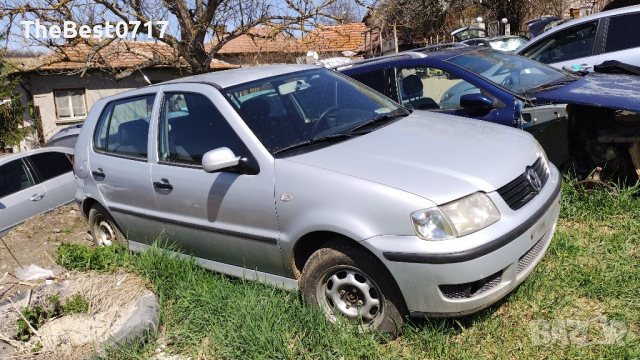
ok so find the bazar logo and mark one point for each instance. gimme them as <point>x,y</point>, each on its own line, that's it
<point>71,30</point>
<point>598,331</point>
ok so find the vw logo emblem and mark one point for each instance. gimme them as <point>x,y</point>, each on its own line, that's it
<point>534,179</point>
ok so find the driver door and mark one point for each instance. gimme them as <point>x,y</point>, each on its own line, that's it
<point>227,216</point>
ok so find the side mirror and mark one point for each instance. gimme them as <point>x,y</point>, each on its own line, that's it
<point>475,101</point>
<point>218,159</point>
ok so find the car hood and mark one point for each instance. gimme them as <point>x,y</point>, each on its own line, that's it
<point>620,92</point>
<point>439,157</point>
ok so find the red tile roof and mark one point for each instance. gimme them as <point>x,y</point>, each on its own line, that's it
<point>326,38</point>
<point>261,41</point>
<point>336,38</point>
<point>117,55</point>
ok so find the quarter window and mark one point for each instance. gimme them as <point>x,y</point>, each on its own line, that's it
<point>51,164</point>
<point>14,177</point>
<point>427,88</point>
<point>570,44</point>
<point>70,104</point>
<point>123,127</point>
<point>190,126</point>
<point>623,32</point>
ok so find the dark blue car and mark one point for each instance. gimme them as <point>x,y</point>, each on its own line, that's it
<point>514,91</point>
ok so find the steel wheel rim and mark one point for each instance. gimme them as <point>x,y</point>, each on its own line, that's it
<point>350,293</point>
<point>103,231</point>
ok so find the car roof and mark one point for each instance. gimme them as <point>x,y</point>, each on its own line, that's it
<point>570,23</point>
<point>10,157</point>
<point>422,53</point>
<point>227,78</point>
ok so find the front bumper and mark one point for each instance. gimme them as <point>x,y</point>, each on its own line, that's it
<point>465,280</point>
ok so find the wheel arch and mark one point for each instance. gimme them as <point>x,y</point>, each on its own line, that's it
<point>312,241</point>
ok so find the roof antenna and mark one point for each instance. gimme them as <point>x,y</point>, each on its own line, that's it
<point>146,79</point>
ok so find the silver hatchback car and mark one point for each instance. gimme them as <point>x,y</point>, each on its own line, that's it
<point>300,177</point>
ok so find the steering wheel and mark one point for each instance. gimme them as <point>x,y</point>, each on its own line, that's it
<point>323,118</point>
<point>507,82</point>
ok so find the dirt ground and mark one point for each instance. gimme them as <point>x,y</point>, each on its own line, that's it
<point>35,242</point>
<point>111,296</point>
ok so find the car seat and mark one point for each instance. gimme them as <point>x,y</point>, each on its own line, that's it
<point>412,87</point>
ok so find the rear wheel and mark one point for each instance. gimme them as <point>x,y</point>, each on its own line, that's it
<point>103,228</point>
<point>346,282</point>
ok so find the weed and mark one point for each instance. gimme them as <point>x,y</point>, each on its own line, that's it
<point>76,304</point>
<point>37,315</point>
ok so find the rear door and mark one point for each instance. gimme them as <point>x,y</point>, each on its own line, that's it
<point>622,42</point>
<point>227,216</point>
<point>120,169</point>
<point>55,171</point>
<point>20,196</point>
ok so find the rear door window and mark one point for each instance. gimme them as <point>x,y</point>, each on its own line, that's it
<point>623,32</point>
<point>51,164</point>
<point>124,129</point>
<point>14,177</point>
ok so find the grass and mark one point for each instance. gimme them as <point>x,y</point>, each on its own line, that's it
<point>590,272</point>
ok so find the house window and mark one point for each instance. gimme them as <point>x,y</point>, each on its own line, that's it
<point>70,104</point>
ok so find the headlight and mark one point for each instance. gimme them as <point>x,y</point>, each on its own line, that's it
<point>455,219</point>
<point>431,224</point>
<point>543,153</point>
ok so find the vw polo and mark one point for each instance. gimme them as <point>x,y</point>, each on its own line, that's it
<point>300,177</point>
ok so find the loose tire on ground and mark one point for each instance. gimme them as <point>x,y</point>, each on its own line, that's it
<point>104,231</point>
<point>344,281</point>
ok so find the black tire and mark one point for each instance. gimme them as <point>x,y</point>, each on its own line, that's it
<point>353,271</point>
<point>103,228</point>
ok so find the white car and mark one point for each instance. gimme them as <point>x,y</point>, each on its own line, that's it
<point>589,41</point>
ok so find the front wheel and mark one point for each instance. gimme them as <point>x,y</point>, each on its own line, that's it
<point>346,282</point>
<point>103,228</point>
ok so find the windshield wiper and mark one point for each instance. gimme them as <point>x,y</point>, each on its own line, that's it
<point>549,85</point>
<point>376,120</point>
<point>322,139</point>
<point>353,132</point>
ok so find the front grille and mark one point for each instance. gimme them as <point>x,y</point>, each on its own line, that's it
<point>526,259</point>
<point>469,290</point>
<point>519,192</point>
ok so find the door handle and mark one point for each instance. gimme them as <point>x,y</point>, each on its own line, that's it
<point>98,174</point>
<point>37,197</point>
<point>164,185</point>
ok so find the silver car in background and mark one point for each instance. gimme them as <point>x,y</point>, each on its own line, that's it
<point>300,177</point>
<point>589,41</point>
<point>34,182</point>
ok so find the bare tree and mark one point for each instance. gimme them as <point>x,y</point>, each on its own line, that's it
<point>344,12</point>
<point>197,29</point>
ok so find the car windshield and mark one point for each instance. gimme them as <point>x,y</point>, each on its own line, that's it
<point>511,72</point>
<point>507,44</point>
<point>307,106</point>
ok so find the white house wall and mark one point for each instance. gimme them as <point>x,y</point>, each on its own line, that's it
<point>96,86</point>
